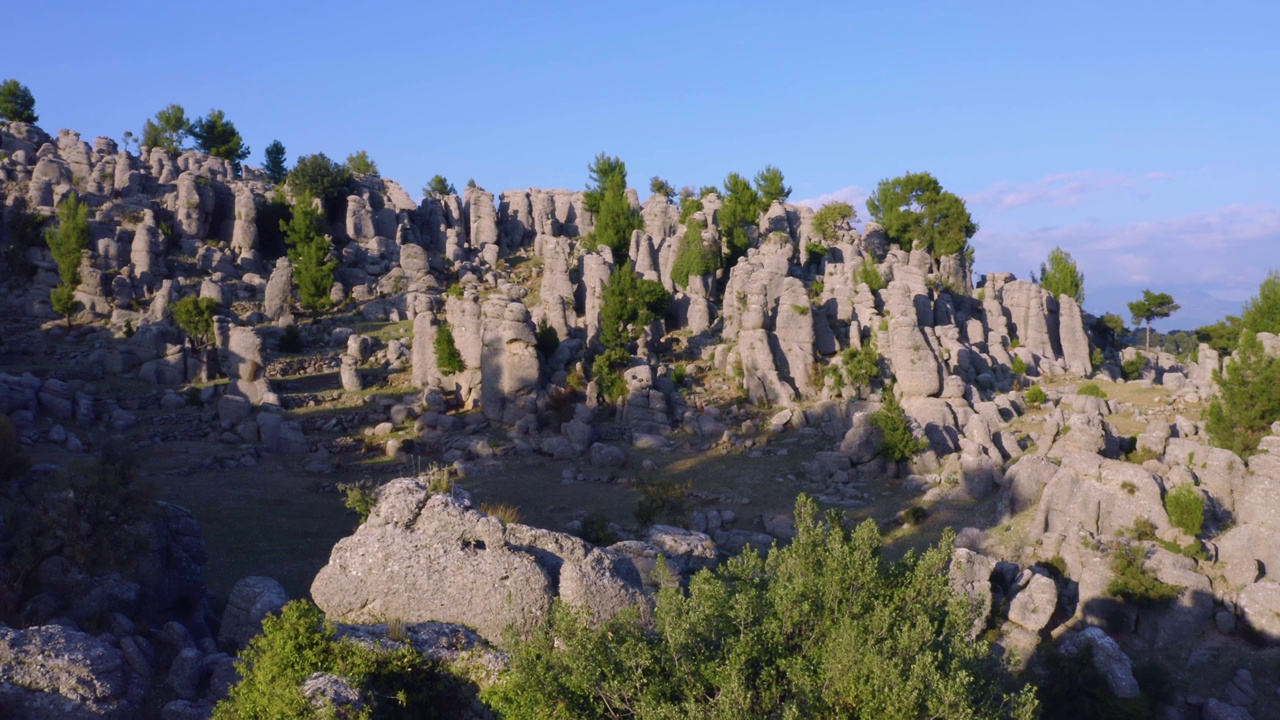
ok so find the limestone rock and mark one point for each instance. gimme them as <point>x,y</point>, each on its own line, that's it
<point>52,673</point>
<point>422,557</point>
<point>1108,659</point>
<point>251,600</point>
<point>1034,604</point>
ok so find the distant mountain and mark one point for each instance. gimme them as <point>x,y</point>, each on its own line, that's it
<point>1199,308</point>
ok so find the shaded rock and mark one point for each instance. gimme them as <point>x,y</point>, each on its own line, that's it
<point>252,599</point>
<point>1107,659</point>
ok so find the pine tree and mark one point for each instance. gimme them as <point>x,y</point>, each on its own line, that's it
<point>167,130</point>
<point>1060,276</point>
<point>67,242</point>
<point>831,218</point>
<point>439,187</point>
<point>360,164</point>
<point>17,103</point>
<point>217,136</point>
<point>616,219</point>
<point>1152,306</point>
<point>918,214</point>
<point>771,185</point>
<point>448,359</point>
<point>1249,401</point>
<point>274,164</point>
<point>309,253</point>
<point>600,171</point>
<point>741,210</point>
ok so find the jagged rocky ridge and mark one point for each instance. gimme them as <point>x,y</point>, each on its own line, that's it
<point>166,227</point>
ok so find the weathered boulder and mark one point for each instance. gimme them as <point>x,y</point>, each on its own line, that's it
<point>422,557</point>
<point>279,294</point>
<point>1034,604</point>
<point>1107,658</point>
<point>251,600</point>
<point>1075,342</point>
<point>1259,606</point>
<point>52,673</point>
<point>509,365</point>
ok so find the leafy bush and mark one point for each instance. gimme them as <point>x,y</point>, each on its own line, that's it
<point>831,218</point>
<point>67,242</point>
<point>815,252</point>
<point>607,198</point>
<point>359,499</point>
<point>1132,581</point>
<point>663,501</point>
<point>824,627</point>
<point>1095,357</point>
<point>448,359</point>
<point>1035,395</point>
<point>658,186</point>
<point>167,130</point>
<point>856,368</point>
<point>1018,366</point>
<point>507,513</point>
<point>595,530</point>
<point>899,442</point>
<point>1249,400</point>
<point>688,206</point>
<point>320,177</point>
<point>628,303</point>
<point>694,257</point>
<point>1132,368</point>
<point>869,275</point>
<point>194,315</point>
<point>1092,390</point>
<point>393,681</point>
<point>1186,509</point>
<point>605,371</point>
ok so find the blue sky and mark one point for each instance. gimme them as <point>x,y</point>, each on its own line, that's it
<point>1140,137</point>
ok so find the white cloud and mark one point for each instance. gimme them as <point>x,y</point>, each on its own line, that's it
<point>1061,189</point>
<point>853,194</point>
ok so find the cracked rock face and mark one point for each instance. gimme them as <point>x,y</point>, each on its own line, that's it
<point>422,557</point>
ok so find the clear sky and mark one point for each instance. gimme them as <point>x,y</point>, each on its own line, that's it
<point>1140,137</point>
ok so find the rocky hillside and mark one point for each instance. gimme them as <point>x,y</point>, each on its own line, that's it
<point>1076,478</point>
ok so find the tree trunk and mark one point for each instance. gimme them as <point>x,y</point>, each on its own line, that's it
<point>1148,334</point>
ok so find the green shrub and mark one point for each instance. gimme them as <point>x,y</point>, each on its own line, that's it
<point>1060,276</point>
<point>309,252</point>
<point>857,367</point>
<point>1132,369</point>
<point>360,163</point>
<point>831,218</point>
<point>1185,505</point>
<point>825,627</point>
<point>359,499</point>
<point>740,211</point>
<point>869,275</point>
<point>1096,358</point>
<point>815,252</point>
<point>689,205</point>
<point>899,442</point>
<point>679,373</point>
<point>1035,396</point>
<point>693,256</point>
<point>628,303</point>
<point>393,682</point>
<point>595,530</point>
<point>448,359</point>
<point>914,515</point>
<point>67,242</point>
<point>615,218</point>
<point>605,371</point>
<point>1019,366</point>
<point>26,233</point>
<point>663,501</point>
<point>318,176</point>
<point>1092,390</point>
<point>1132,582</point>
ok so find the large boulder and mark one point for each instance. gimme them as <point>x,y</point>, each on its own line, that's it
<point>52,673</point>
<point>422,557</point>
<point>252,599</point>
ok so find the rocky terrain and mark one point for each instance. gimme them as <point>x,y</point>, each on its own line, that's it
<point>735,391</point>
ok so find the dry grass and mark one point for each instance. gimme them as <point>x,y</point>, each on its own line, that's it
<point>507,513</point>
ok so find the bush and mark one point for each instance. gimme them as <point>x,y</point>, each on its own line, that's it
<point>815,252</point>
<point>26,232</point>
<point>1186,509</point>
<point>824,627</point>
<point>439,187</point>
<point>628,303</point>
<point>1035,395</point>
<point>1249,400</point>
<point>1092,390</point>
<point>595,530</point>
<point>740,211</point>
<point>899,442</point>
<point>1132,369</point>
<point>917,214</point>
<point>663,501</point>
<point>67,242</point>
<point>694,257</point>
<point>359,499</point>
<point>320,177</point>
<point>1096,358</point>
<point>291,341</point>
<point>869,275</point>
<point>607,198</point>
<point>604,370</point>
<point>194,315</point>
<point>1019,366</point>
<point>448,359</point>
<point>1132,582</point>
<point>167,130</point>
<point>688,206</point>
<point>393,682</point>
<point>831,218</point>
<point>1060,276</point>
<point>857,368</point>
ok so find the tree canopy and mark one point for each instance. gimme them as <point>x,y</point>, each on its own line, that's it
<point>1152,306</point>
<point>320,177</point>
<point>17,103</point>
<point>740,211</point>
<point>439,187</point>
<point>67,242</point>
<point>360,163</point>
<point>1060,276</point>
<point>167,130</point>
<point>772,186</point>
<point>628,303</point>
<point>918,214</point>
<point>218,137</point>
<point>274,165</point>
<point>831,218</point>
<point>615,219</point>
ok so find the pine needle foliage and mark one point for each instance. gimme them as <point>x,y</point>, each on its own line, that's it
<point>309,252</point>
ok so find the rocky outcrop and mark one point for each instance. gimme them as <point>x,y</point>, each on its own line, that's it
<point>509,365</point>
<point>422,557</point>
<point>52,673</point>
